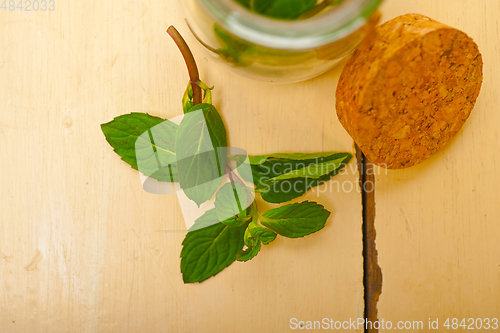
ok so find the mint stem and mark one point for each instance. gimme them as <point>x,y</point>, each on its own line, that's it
<point>237,179</point>
<point>230,173</point>
<point>262,217</point>
<point>194,75</point>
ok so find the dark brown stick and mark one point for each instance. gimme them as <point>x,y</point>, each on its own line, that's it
<point>194,75</point>
<point>372,279</point>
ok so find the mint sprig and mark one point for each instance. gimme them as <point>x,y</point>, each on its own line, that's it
<point>195,154</point>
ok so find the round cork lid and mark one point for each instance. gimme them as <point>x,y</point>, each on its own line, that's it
<point>407,89</point>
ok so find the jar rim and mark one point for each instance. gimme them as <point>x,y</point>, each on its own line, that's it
<point>309,33</point>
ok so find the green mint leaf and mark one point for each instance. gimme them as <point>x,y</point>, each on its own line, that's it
<point>248,238</point>
<point>244,3</point>
<point>280,9</point>
<point>232,204</point>
<point>273,167</point>
<point>253,244</point>
<point>249,253</point>
<point>241,165</point>
<point>296,220</point>
<point>314,171</point>
<point>214,123</point>
<point>253,238</point>
<point>145,142</point>
<point>187,98</point>
<point>234,49</point>
<point>231,201</point>
<point>261,6</point>
<point>208,219</point>
<point>207,92</point>
<point>199,164</point>
<point>265,235</point>
<point>283,177</point>
<point>259,159</point>
<point>235,221</point>
<point>285,190</point>
<point>208,251</point>
<point>288,9</point>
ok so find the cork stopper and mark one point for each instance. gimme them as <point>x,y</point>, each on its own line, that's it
<point>407,90</point>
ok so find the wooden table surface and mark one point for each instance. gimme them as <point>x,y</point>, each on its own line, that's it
<point>84,249</point>
<point>438,230</point>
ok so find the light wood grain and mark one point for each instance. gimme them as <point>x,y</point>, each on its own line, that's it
<point>83,247</point>
<point>437,223</point>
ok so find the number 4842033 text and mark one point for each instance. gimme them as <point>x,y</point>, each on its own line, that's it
<point>28,5</point>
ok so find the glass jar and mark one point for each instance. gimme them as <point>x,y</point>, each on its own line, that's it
<point>280,51</point>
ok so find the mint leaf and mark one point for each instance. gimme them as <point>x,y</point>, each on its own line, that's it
<point>208,251</point>
<point>231,200</point>
<point>288,9</point>
<point>231,204</point>
<point>214,123</point>
<point>187,98</point>
<point>259,159</point>
<point>260,6</point>
<point>145,142</point>
<point>253,244</point>
<point>283,177</point>
<point>280,9</point>
<point>244,3</point>
<point>254,237</point>
<point>234,49</point>
<point>240,164</point>
<point>255,232</point>
<point>208,219</point>
<point>272,166</point>
<point>265,235</point>
<point>313,170</point>
<point>248,238</point>
<point>250,252</point>
<point>296,220</point>
<point>199,164</point>
<point>235,221</point>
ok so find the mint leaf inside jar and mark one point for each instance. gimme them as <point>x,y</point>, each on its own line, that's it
<point>288,9</point>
